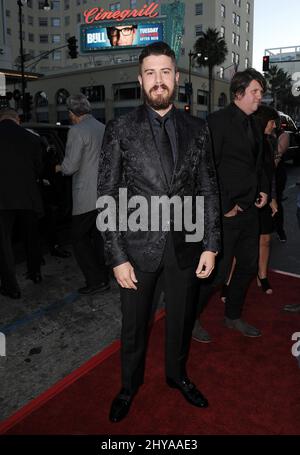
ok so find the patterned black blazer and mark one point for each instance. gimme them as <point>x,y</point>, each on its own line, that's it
<point>130,159</point>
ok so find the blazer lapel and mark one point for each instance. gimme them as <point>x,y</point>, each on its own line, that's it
<point>182,136</point>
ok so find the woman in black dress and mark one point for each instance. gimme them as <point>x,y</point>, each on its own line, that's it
<point>268,117</point>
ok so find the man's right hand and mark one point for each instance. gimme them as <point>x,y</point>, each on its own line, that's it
<point>125,276</point>
<point>234,211</point>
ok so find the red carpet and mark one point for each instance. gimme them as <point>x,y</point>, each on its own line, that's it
<point>253,385</point>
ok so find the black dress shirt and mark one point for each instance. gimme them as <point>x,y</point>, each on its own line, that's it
<point>247,121</point>
<point>155,121</point>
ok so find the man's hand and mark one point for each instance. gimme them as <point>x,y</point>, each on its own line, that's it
<point>261,200</point>
<point>234,211</point>
<point>58,168</point>
<point>274,206</point>
<point>125,276</point>
<point>206,264</point>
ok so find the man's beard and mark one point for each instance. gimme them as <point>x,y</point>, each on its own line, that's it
<point>160,102</point>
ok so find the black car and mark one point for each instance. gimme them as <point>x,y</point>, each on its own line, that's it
<point>288,125</point>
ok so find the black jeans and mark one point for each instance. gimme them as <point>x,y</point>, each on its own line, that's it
<point>88,247</point>
<point>28,223</point>
<point>240,240</point>
<point>180,288</point>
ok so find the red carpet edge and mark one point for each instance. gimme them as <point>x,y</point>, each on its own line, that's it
<point>64,383</point>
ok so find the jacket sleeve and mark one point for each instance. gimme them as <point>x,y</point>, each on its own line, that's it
<point>109,182</point>
<point>73,155</point>
<point>216,126</point>
<point>209,189</point>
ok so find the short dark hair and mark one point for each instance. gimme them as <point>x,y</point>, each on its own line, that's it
<point>242,79</point>
<point>266,113</point>
<point>157,48</point>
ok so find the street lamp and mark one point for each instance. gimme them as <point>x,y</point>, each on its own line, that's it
<point>20,4</point>
<point>46,6</point>
<point>189,88</point>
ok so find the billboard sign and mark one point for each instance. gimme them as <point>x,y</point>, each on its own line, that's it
<point>116,35</point>
<point>99,14</point>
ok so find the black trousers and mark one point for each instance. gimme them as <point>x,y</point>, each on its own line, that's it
<point>180,287</point>
<point>89,248</point>
<point>28,223</point>
<point>240,240</point>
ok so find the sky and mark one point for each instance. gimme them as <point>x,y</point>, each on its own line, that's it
<point>276,24</point>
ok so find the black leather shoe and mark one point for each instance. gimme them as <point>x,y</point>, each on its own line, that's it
<point>91,290</point>
<point>59,252</point>
<point>120,406</point>
<point>189,391</point>
<point>13,294</point>
<point>36,277</point>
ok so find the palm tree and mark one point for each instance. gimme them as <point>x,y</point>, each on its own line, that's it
<point>279,83</point>
<point>212,50</point>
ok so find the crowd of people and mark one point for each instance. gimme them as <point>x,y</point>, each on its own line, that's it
<point>156,150</point>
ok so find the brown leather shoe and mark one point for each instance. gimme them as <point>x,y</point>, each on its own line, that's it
<point>200,334</point>
<point>292,308</point>
<point>246,329</point>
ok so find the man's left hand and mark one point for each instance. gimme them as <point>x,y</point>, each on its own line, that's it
<point>58,168</point>
<point>261,200</point>
<point>206,264</point>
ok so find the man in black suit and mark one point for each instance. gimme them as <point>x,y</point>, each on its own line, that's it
<point>20,166</point>
<point>237,144</point>
<point>157,151</point>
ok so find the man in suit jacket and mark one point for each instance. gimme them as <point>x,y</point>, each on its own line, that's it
<point>157,151</point>
<point>238,149</point>
<point>81,161</point>
<point>20,167</point>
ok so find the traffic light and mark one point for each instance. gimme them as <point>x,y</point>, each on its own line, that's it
<point>3,102</point>
<point>72,46</point>
<point>17,95</point>
<point>188,88</point>
<point>187,108</point>
<point>27,104</point>
<point>266,63</point>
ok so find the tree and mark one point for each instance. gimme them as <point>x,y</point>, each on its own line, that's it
<point>279,83</point>
<point>213,50</point>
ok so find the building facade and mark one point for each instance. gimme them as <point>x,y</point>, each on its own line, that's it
<point>101,72</point>
<point>286,58</point>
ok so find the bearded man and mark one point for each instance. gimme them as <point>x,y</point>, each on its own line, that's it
<point>158,151</point>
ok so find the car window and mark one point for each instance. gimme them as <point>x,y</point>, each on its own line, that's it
<point>287,123</point>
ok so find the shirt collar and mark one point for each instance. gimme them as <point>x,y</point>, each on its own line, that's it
<point>241,114</point>
<point>154,115</point>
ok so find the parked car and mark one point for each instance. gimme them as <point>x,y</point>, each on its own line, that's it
<point>54,137</point>
<point>56,189</point>
<point>288,125</point>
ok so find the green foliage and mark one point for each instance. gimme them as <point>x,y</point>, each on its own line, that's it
<point>212,50</point>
